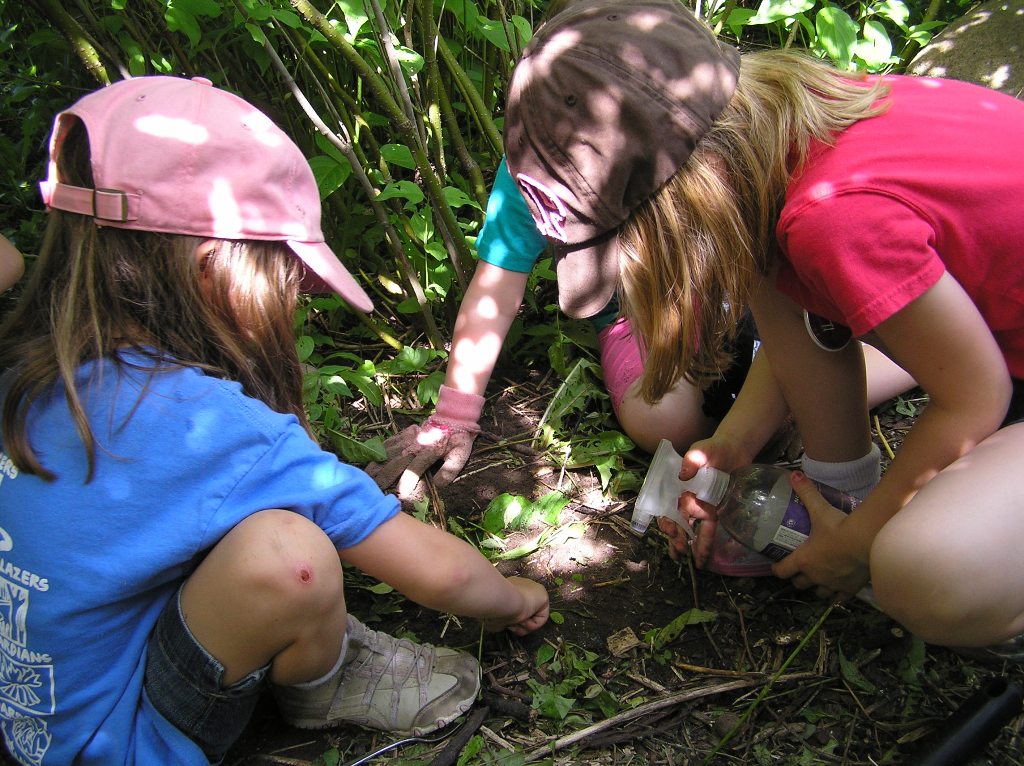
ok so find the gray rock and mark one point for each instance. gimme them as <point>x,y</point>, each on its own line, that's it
<point>985,46</point>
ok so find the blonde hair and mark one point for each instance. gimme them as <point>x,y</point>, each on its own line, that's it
<point>98,290</point>
<point>692,253</point>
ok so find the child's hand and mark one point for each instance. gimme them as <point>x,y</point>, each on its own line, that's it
<point>717,452</point>
<point>534,612</point>
<point>827,561</point>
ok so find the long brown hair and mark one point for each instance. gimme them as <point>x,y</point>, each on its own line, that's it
<point>96,290</point>
<point>692,253</point>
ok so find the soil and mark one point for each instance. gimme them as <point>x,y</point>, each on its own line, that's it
<point>773,676</point>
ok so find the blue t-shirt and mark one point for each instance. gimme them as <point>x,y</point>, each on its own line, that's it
<point>511,240</point>
<point>85,569</point>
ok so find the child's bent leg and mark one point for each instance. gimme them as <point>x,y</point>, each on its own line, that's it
<point>678,417</point>
<point>949,565</point>
<point>269,593</point>
<point>270,587</point>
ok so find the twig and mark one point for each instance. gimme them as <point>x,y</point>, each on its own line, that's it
<point>651,707</point>
<point>450,752</point>
<point>508,443</point>
<point>888,449</point>
<point>719,672</point>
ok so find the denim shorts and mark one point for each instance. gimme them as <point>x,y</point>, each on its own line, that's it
<point>183,683</point>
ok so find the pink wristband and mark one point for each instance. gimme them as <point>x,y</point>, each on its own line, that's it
<point>458,409</point>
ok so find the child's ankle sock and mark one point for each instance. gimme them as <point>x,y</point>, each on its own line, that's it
<point>854,477</point>
<point>342,656</point>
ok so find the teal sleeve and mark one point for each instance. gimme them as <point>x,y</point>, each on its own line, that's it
<point>509,238</point>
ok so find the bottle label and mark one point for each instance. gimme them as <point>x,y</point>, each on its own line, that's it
<point>796,523</point>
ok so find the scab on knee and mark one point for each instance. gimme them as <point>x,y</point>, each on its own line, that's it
<point>305,573</point>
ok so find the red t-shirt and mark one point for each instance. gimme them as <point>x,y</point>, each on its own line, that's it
<point>934,184</point>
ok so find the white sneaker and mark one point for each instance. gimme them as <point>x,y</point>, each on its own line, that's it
<point>386,683</point>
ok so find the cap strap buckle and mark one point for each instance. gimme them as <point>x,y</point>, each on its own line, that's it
<point>102,204</point>
<point>111,205</point>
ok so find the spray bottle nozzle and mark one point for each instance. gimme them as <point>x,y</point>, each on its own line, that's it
<point>659,495</point>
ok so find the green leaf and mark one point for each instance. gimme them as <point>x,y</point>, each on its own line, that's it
<point>605,469</point>
<point>363,379</point>
<point>398,154</point>
<point>524,30</point>
<point>544,654</point>
<point>286,17</point>
<point>421,507</point>
<point>549,507</point>
<point>472,748</point>
<point>895,11</point>
<point>355,16</point>
<point>501,511</point>
<point>328,147</point>
<point>355,451</point>
<point>771,11</point>
<point>670,632</point>
<point>875,49</point>
<point>411,359</point>
<point>422,225</point>
<point>556,617</point>
<point>905,407</point>
<point>180,20</point>
<point>406,190</point>
<point>456,198</point>
<point>409,306</point>
<point>337,385</point>
<point>494,33</point>
<point>837,34</point>
<point>852,675</point>
<point>427,390</point>
<point>304,346</point>
<point>739,18</point>
<point>607,703</point>
<point>330,174</point>
<point>136,58</point>
<point>913,665</point>
<point>465,12</point>
<point>549,703</point>
<point>255,33</point>
<point>409,60</point>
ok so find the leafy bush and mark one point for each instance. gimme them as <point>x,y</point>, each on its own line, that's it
<point>399,109</point>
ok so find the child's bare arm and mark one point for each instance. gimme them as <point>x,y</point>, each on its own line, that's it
<point>442,572</point>
<point>12,265</point>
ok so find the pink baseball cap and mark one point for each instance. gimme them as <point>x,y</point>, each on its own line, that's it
<point>180,156</point>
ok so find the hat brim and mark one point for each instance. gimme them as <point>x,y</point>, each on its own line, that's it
<point>587,275</point>
<point>326,274</point>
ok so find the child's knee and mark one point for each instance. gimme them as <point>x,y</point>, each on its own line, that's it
<point>919,586</point>
<point>287,557</point>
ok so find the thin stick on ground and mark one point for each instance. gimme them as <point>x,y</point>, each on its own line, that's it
<point>654,705</point>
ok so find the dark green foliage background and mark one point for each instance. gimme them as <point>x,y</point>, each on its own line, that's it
<point>402,128</point>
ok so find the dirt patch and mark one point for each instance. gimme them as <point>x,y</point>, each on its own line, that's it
<point>778,674</point>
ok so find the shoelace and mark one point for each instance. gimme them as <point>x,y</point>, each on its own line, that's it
<point>384,645</point>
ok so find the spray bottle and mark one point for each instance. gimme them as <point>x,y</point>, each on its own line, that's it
<point>755,504</point>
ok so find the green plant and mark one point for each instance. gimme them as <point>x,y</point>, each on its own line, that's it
<point>571,670</point>
<point>507,514</point>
